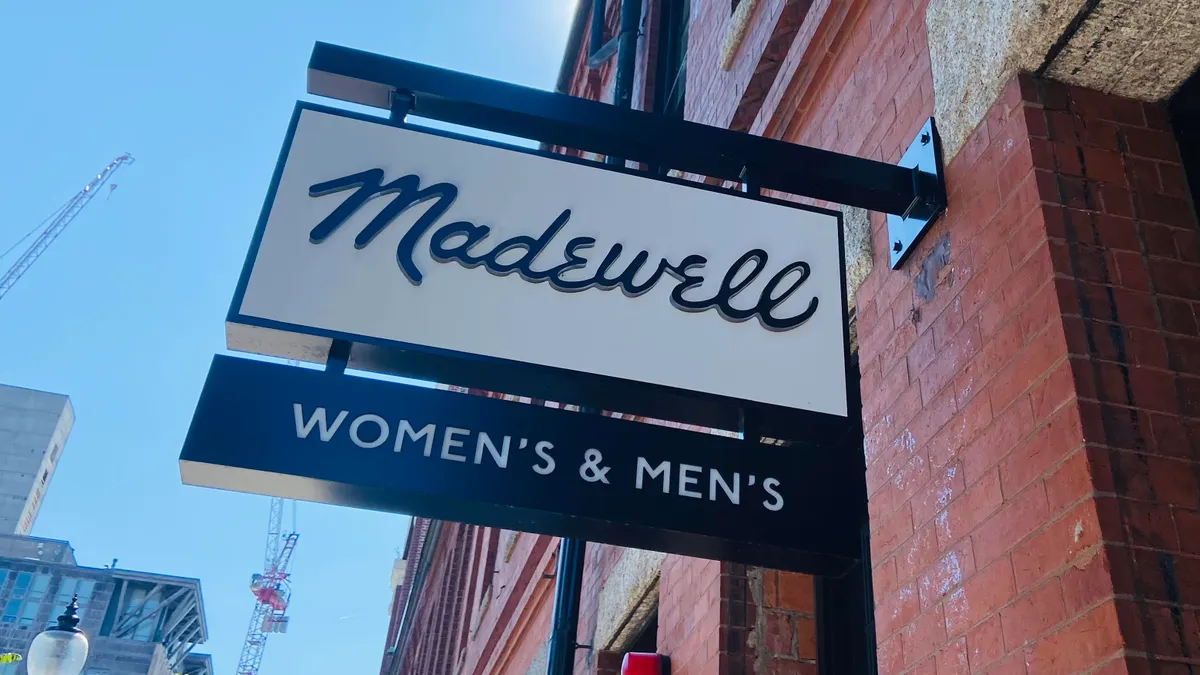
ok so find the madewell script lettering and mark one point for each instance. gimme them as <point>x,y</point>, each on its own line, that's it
<point>455,242</point>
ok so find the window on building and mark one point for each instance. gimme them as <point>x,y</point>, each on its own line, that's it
<point>29,614</point>
<point>11,609</point>
<point>25,601</point>
<point>45,475</point>
<point>145,630</point>
<point>21,585</point>
<point>137,605</point>
<point>37,589</point>
<point>70,587</point>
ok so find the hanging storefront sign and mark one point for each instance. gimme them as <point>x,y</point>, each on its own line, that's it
<point>389,235</point>
<point>305,434</point>
<point>581,272</point>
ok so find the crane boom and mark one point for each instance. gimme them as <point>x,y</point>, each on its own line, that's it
<point>272,590</point>
<point>59,222</point>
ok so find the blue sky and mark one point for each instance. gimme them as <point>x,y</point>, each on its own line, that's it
<point>125,311</point>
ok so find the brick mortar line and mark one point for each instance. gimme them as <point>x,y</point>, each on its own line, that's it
<point>1130,407</point>
<point>1110,284</point>
<point>1120,654</point>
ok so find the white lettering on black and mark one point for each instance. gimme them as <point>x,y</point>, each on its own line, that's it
<point>715,478</point>
<point>686,479</point>
<point>540,449</point>
<point>591,470</point>
<point>500,456</point>
<point>405,429</point>
<point>374,419</point>
<point>664,469</point>
<point>318,419</point>
<point>769,484</point>
<point>448,441</point>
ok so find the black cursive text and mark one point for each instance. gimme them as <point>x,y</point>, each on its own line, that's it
<point>455,242</point>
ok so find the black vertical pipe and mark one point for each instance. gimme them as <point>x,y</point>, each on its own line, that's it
<point>565,620</point>
<point>569,579</point>
<point>631,17</point>
<point>846,619</point>
<point>749,423</point>
<point>596,41</point>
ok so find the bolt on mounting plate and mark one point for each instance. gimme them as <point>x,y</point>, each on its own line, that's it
<point>924,157</point>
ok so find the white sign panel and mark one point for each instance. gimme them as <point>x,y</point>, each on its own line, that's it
<point>392,235</point>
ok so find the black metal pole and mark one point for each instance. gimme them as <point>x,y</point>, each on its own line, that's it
<point>564,624</point>
<point>596,40</point>
<point>569,579</point>
<point>846,619</point>
<point>751,427</point>
<point>631,17</point>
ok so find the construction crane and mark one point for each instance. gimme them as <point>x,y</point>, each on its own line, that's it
<point>59,220</point>
<point>272,589</point>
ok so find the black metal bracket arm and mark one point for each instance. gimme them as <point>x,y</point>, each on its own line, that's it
<point>924,159</point>
<point>567,121</point>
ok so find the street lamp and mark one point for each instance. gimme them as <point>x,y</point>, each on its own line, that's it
<point>61,649</point>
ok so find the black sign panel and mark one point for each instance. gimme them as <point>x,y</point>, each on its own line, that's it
<point>340,439</point>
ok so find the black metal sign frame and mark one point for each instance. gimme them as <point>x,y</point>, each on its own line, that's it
<point>371,79</point>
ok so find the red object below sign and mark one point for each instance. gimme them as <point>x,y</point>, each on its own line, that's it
<point>644,664</point>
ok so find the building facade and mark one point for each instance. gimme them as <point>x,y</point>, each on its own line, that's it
<point>1030,377</point>
<point>136,623</point>
<point>34,426</point>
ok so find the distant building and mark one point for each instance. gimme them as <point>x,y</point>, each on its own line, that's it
<point>137,623</point>
<point>398,574</point>
<point>33,430</point>
<point>401,585</point>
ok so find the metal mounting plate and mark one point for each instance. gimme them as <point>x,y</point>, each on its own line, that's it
<point>905,232</point>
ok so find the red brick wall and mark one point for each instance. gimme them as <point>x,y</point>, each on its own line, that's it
<point>431,645</point>
<point>414,545</point>
<point>712,94</point>
<point>1126,254</point>
<point>791,640</point>
<point>512,623</point>
<point>768,622</point>
<point>689,615</point>
<point>1030,469</point>
<point>598,563</point>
